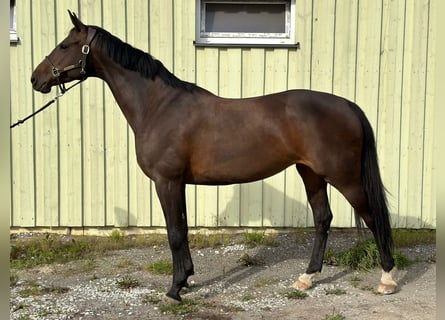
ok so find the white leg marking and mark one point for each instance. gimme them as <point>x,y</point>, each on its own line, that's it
<point>304,282</point>
<point>387,283</point>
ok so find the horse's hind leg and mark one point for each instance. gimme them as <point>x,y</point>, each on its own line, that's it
<point>356,197</point>
<point>318,199</point>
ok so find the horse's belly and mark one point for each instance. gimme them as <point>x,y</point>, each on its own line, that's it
<point>236,170</point>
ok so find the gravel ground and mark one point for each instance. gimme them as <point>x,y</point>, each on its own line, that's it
<point>223,287</point>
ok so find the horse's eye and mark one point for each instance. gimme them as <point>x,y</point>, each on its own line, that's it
<point>63,46</point>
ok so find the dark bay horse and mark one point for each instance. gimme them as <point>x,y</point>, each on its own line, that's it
<point>187,135</point>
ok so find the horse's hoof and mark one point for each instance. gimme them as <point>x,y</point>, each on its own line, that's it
<point>304,282</point>
<point>299,285</point>
<point>170,301</point>
<point>386,288</point>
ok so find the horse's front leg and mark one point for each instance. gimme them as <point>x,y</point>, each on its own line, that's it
<point>318,199</point>
<point>172,197</point>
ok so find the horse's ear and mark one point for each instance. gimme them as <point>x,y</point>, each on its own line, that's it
<point>76,22</point>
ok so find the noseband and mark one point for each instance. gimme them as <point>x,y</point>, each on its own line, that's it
<point>81,64</point>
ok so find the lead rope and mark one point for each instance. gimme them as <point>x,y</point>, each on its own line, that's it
<point>59,94</point>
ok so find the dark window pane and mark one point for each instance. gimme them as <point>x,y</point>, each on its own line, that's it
<point>250,18</point>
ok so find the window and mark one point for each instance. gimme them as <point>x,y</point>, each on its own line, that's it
<point>12,24</point>
<point>249,23</point>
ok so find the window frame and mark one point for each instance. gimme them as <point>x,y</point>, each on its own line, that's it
<point>241,39</point>
<point>13,38</point>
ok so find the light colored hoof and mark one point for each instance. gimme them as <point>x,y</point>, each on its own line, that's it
<point>387,288</point>
<point>387,284</point>
<point>304,282</point>
<point>170,301</point>
<point>299,285</point>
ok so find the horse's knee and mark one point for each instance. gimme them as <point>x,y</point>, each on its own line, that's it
<point>177,239</point>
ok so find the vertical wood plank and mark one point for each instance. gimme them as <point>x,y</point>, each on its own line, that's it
<point>343,84</point>
<point>207,77</point>
<point>390,101</point>
<point>116,134</point>
<point>275,80</point>
<point>413,114</point>
<point>251,194</point>
<point>430,141</point>
<point>297,210</point>
<point>93,130</point>
<point>22,138</point>
<point>70,136</point>
<point>230,87</point>
<point>322,53</point>
<point>46,125</point>
<point>139,184</point>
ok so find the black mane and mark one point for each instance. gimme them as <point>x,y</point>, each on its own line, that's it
<point>136,60</point>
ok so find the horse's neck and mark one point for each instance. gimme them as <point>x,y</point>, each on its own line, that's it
<point>136,96</point>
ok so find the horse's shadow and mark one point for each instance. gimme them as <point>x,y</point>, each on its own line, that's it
<point>237,273</point>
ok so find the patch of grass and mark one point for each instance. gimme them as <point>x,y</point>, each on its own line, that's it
<point>53,248</point>
<point>116,235</point>
<point>295,294</point>
<point>334,316</point>
<point>411,237</point>
<point>256,238</point>
<point>337,316</point>
<point>46,250</point>
<point>364,256</point>
<point>35,290</point>
<point>336,292</point>
<point>127,282</point>
<point>187,306</point>
<point>200,240</point>
<point>401,261</point>
<point>151,298</point>
<point>161,267</point>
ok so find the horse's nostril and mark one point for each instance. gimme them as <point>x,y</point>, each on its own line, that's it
<point>33,80</point>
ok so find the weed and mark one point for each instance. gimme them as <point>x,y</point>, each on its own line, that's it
<point>253,239</point>
<point>295,294</point>
<point>116,235</point>
<point>127,282</point>
<point>35,290</point>
<point>199,240</point>
<point>187,306</point>
<point>364,256</point>
<point>151,298</point>
<point>162,267</point>
<point>337,316</point>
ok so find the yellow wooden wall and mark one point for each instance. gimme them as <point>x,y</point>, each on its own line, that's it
<point>74,164</point>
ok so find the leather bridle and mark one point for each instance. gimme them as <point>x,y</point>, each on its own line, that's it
<point>81,64</point>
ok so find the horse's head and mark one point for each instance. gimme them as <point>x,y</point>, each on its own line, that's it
<point>67,61</point>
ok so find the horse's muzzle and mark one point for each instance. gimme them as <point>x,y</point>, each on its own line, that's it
<point>41,87</point>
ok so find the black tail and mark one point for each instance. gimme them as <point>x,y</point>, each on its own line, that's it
<point>373,185</point>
